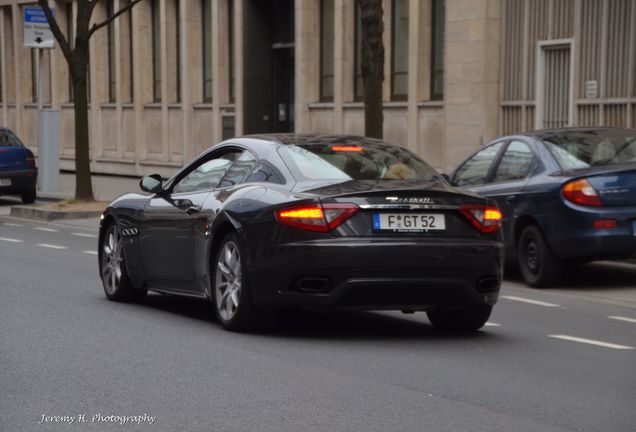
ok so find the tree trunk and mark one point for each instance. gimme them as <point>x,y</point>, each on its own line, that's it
<point>83,182</point>
<point>372,66</point>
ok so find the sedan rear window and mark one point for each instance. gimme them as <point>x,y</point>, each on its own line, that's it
<point>7,139</point>
<point>577,150</point>
<point>357,162</point>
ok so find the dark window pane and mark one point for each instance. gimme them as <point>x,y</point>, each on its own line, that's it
<point>437,49</point>
<point>326,49</point>
<point>112,87</point>
<point>230,38</point>
<point>156,51</point>
<point>206,54</point>
<point>515,163</point>
<point>265,172</point>
<point>475,170</point>
<point>400,50</point>
<point>239,170</point>
<point>358,84</point>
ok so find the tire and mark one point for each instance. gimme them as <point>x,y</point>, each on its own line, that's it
<point>112,268</point>
<point>468,319</point>
<point>231,294</point>
<point>538,265</point>
<point>28,197</point>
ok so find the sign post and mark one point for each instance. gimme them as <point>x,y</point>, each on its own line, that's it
<point>38,35</point>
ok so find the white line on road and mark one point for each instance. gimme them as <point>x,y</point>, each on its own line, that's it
<point>11,224</point>
<point>492,324</point>
<point>51,246</point>
<point>621,318</point>
<point>592,342</point>
<point>90,252</point>
<point>84,235</point>
<point>530,301</point>
<point>11,240</point>
<point>45,229</point>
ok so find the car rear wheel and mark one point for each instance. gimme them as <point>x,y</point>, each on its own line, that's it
<point>28,197</point>
<point>231,290</point>
<point>115,279</point>
<point>537,263</point>
<point>468,319</point>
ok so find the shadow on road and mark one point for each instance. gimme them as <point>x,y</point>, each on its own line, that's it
<point>336,325</point>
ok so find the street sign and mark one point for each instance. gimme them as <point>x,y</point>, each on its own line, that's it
<point>37,33</point>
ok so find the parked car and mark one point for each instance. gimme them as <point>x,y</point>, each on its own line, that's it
<point>18,174</point>
<point>259,223</point>
<point>567,195</point>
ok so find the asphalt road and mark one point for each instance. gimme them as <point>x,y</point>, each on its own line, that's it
<point>67,351</point>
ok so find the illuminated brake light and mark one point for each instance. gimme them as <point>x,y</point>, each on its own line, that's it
<point>485,219</point>
<point>341,148</point>
<point>316,217</point>
<point>600,224</point>
<point>581,192</point>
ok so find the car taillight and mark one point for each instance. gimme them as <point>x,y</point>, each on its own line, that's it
<point>316,217</point>
<point>487,219</point>
<point>581,192</point>
<point>30,159</point>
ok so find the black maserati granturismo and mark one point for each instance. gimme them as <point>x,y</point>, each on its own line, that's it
<point>261,223</point>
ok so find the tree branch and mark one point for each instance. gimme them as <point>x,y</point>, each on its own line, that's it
<point>108,20</point>
<point>59,36</point>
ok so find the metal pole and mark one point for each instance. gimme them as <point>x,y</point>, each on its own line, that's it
<point>38,73</point>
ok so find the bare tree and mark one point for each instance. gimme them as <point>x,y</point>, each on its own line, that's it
<point>372,66</point>
<point>77,59</point>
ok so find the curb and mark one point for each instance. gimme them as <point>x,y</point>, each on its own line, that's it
<point>27,212</point>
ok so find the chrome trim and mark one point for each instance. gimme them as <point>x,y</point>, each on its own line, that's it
<point>408,206</point>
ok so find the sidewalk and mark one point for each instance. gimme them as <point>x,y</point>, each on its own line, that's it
<point>105,188</point>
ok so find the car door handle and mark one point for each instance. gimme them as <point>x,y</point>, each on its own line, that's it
<point>510,198</point>
<point>192,210</point>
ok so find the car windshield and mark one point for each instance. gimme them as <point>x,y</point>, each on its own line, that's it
<point>357,162</point>
<point>584,149</point>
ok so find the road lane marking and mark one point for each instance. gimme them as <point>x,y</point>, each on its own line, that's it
<point>45,229</point>
<point>592,342</point>
<point>621,318</point>
<point>530,301</point>
<point>12,224</point>
<point>492,324</point>
<point>11,240</point>
<point>84,235</point>
<point>51,246</point>
<point>90,252</point>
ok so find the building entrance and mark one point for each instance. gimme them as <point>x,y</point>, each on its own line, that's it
<point>269,66</point>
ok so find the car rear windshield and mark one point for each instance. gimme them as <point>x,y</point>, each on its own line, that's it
<point>7,139</point>
<point>578,150</point>
<point>357,162</point>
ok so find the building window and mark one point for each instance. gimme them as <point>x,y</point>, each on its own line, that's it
<point>127,58</point>
<point>156,51</point>
<point>358,84</point>
<point>112,87</point>
<point>206,46</point>
<point>176,62</point>
<point>326,50</point>
<point>230,38</point>
<point>34,77</point>
<point>70,36</point>
<point>399,49</point>
<point>438,17</point>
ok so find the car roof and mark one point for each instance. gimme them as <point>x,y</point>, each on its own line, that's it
<point>283,139</point>
<point>575,131</point>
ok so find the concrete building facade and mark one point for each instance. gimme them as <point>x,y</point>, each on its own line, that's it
<point>173,77</point>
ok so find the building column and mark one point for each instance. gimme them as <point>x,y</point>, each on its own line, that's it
<point>307,58</point>
<point>471,74</point>
<point>3,70</point>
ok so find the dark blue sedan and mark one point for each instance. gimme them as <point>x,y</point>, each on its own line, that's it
<point>567,195</point>
<point>18,173</point>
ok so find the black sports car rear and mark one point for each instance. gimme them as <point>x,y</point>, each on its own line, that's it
<point>264,222</point>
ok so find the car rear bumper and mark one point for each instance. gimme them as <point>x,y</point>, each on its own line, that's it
<point>379,273</point>
<point>20,181</point>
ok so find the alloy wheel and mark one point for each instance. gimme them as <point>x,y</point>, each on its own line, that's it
<point>112,260</point>
<point>228,281</point>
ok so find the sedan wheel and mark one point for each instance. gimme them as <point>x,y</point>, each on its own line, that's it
<point>115,278</point>
<point>232,298</point>
<point>537,263</point>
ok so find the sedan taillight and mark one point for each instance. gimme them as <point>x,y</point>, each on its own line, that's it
<point>30,159</point>
<point>581,192</point>
<point>487,219</point>
<point>316,217</point>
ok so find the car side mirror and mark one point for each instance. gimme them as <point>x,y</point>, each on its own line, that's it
<point>151,183</point>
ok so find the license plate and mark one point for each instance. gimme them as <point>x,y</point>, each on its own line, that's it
<point>5,182</point>
<point>405,222</point>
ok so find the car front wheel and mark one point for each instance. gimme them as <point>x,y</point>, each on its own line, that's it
<point>115,279</point>
<point>231,290</point>
<point>468,319</point>
<point>537,263</point>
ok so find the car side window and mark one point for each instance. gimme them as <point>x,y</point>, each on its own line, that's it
<point>7,139</point>
<point>208,174</point>
<point>266,173</point>
<point>238,170</point>
<point>475,170</point>
<point>515,162</point>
